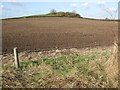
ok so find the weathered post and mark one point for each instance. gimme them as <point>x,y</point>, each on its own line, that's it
<point>17,65</point>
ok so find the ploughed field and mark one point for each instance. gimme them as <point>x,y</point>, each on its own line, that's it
<point>46,33</point>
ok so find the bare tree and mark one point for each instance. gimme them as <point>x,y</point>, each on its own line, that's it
<point>111,13</point>
<point>52,11</point>
<point>74,11</point>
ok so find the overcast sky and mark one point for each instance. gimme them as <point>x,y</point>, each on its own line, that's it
<point>99,9</point>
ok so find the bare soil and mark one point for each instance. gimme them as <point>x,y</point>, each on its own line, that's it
<point>47,33</point>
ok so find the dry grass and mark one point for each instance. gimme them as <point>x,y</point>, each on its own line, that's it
<point>112,69</point>
<point>68,68</point>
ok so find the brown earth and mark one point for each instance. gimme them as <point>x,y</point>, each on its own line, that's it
<point>47,33</point>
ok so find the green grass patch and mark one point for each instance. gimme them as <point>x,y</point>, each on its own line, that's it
<point>62,64</point>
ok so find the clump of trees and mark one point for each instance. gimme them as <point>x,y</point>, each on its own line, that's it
<point>64,14</point>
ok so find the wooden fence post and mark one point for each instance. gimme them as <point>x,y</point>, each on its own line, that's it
<point>17,65</point>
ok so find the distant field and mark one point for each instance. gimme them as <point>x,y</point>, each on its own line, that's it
<point>47,33</point>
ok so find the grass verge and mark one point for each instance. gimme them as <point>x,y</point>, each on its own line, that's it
<point>88,69</point>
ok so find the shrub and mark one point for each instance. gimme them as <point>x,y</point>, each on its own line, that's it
<point>60,14</point>
<point>71,14</point>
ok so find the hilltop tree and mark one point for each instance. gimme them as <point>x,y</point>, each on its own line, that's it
<point>74,11</point>
<point>53,11</point>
